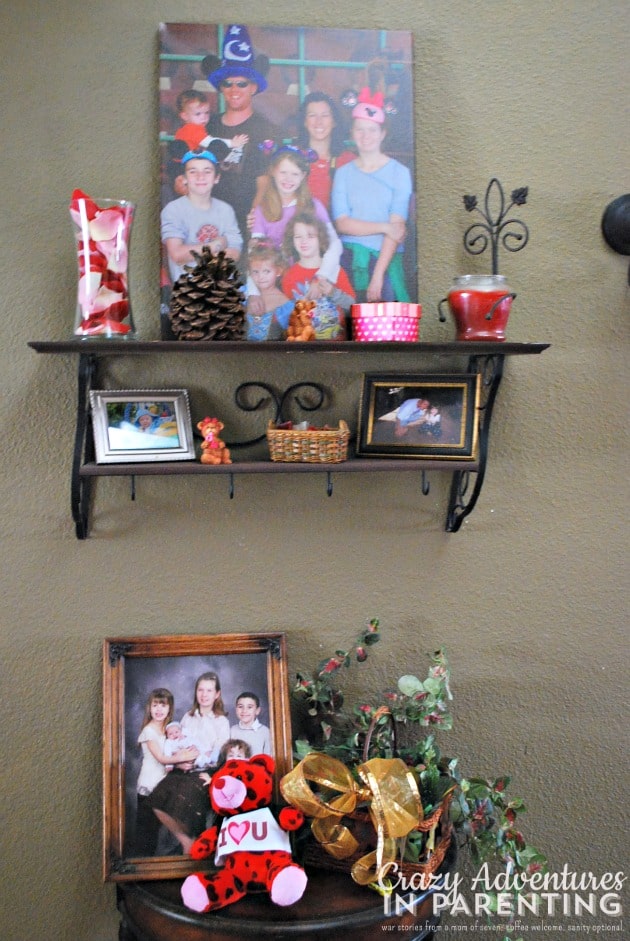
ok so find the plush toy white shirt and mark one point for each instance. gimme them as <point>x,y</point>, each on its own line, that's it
<point>251,832</point>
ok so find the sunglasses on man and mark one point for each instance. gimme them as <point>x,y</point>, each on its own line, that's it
<point>226,84</point>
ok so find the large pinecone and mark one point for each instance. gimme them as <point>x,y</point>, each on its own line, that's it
<point>206,301</point>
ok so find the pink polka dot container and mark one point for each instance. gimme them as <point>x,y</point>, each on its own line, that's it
<point>386,321</point>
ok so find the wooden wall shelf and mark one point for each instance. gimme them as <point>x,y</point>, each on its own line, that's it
<point>102,347</point>
<point>486,358</point>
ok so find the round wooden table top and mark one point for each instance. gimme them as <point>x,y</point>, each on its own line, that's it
<point>333,908</point>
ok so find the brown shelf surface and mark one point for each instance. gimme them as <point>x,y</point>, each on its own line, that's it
<point>351,466</point>
<point>102,347</point>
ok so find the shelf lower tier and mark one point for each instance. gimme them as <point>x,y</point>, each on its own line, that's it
<point>484,358</point>
<point>352,466</point>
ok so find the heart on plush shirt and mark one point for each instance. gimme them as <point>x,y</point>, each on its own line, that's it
<point>238,831</point>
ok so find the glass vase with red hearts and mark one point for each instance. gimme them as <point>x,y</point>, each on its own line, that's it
<point>102,231</point>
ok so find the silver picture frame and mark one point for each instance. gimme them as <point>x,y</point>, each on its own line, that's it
<point>141,425</point>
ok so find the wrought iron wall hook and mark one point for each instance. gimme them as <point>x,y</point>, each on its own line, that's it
<point>496,228</point>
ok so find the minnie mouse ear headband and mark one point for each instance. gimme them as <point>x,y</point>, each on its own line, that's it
<point>238,60</point>
<point>372,107</point>
<point>271,149</point>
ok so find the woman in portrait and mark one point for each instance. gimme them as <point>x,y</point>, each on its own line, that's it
<point>370,208</point>
<point>320,130</point>
<point>180,800</point>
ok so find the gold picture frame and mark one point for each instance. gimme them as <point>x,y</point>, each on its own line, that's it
<point>426,417</point>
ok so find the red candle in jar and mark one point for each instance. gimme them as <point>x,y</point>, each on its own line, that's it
<point>480,306</point>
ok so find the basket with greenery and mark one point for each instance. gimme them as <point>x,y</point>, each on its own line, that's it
<point>477,813</point>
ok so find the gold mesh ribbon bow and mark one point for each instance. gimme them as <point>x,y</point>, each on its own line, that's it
<point>386,785</point>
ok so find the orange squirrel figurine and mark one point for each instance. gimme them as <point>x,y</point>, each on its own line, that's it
<point>300,322</point>
<point>213,449</point>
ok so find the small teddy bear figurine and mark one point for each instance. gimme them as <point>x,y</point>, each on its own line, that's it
<point>301,321</point>
<point>253,852</point>
<point>213,449</point>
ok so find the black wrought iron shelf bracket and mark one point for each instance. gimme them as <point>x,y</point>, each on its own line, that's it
<point>487,359</point>
<point>464,489</point>
<point>81,487</point>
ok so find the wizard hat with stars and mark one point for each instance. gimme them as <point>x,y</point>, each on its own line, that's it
<point>238,60</point>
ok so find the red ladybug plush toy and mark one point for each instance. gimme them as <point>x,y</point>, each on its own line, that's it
<point>251,846</point>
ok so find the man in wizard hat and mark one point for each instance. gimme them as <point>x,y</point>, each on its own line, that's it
<point>239,75</point>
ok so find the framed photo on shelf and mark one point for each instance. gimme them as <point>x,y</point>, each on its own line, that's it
<point>138,425</point>
<point>190,683</point>
<point>428,417</point>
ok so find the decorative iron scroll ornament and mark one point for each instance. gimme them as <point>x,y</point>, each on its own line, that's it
<point>496,229</point>
<point>280,400</point>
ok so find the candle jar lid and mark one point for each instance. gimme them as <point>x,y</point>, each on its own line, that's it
<point>480,282</point>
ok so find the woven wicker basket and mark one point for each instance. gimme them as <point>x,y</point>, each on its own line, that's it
<point>360,824</point>
<point>312,447</point>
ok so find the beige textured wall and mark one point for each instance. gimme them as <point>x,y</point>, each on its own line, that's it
<point>529,598</point>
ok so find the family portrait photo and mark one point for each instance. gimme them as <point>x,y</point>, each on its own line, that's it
<point>176,709</point>
<point>291,151</point>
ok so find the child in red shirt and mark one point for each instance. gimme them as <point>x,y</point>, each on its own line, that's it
<point>306,237</point>
<point>193,108</point>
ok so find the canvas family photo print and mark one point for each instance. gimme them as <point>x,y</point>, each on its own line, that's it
<point>289,149</point>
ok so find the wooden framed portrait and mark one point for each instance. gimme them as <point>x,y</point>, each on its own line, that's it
<point>174,708</point>
<point>236,101</point>
<point>430,417</point>
<point>139,425</point>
